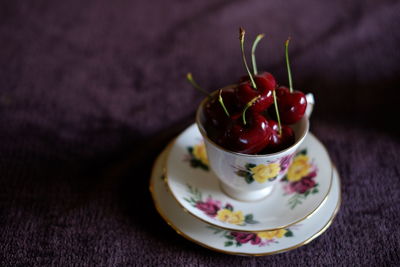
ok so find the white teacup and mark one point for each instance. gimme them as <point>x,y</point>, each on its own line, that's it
<point>251,177</point>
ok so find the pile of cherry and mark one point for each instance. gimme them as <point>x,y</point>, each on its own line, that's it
<point>253,117</point>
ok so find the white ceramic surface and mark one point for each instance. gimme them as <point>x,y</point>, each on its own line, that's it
<point>224,162</point>
<point>252,244</point>
<point>198,191</point>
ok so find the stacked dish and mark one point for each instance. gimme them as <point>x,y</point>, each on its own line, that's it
<point>189,198</point>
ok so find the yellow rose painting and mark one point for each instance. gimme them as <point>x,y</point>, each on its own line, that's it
<point>262,173</point>
<point>299,168</point>
<point>215,209</point>
<point>200,153</point>
<point>272,234</point>
<point>252,239</point>
<point>301,179</point>
<point>198,156</point>
<point>232,217</point>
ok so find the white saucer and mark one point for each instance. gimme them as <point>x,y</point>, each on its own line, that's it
<point>220,240</point>
<point>296,197</point>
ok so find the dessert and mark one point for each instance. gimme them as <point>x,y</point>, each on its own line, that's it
<point>253,116</point>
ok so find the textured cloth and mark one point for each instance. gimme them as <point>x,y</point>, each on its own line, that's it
<point>91,92</point>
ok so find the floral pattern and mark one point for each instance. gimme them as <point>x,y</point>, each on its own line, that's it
<point>263,172</point>
<point>299,180</point>
<point>214,208</point>
<point>198,156</point>
<point>254,239</point>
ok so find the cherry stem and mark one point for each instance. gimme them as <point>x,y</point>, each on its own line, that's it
<point>190,79</point>
<point>277,112</point>
<point>249,104</point>
<point>253,52</point>
<point>241,38</point>
<point>221,101</point>
<point>288,65</point>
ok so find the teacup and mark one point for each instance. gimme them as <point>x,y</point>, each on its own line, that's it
<point>251,177</point>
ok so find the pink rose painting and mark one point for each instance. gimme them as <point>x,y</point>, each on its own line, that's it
<point>300,179</point>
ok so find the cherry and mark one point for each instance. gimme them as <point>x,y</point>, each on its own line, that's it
<point>279,141</point>
<point>265,83</point>
<point>255,85</point>
<point>249,138</point>
<point>248,132</point>
<point>217,110</point>
<point>215,113</point>
<point>291,104</point>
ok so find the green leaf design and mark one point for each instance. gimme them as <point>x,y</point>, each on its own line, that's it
<point>190,188</point>
<point>228,243</point>
<point>229,237</point>
<point>295,200</point>
<point>228,207</point>
<point>248,166</point>
<point>204,167</point>
<point>288,233</point>
<point>249,178</point>
<point>196,163</point>
<point>191,201</point>
<point>238,244</point>
<point>196,195</point>
<point>241,173</point>
<point>302,152</point>
<point>315,190</point>
<point>215,229</point>
<point>306,193</point>
<point>249,219</point>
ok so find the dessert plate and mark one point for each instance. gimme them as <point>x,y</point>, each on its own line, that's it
<point>296,197</point>
<point>241,243</point>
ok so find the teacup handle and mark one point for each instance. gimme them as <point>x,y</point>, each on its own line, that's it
<point>310,104</point>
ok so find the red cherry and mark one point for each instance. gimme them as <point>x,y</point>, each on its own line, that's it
<point>292,106</point>
<point>250,138</point>
<point>215,118</point>
<point>214,112</point>
<point>278,142</point>
<point>265,85</point>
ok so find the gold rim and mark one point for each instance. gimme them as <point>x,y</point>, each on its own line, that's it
<point>165,179</point>
<point>317,234</point>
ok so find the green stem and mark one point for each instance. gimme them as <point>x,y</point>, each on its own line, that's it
<point>288,65</point>
<point>221,101</point>
<point>190,79</point>
<point>277,112</point>
<point>241,38</point>
<point>249,104</point>
<point>253,52</point>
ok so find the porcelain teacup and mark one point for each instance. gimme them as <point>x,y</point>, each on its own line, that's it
<point>251,177</point>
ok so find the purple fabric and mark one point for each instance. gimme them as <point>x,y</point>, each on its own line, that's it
<point>91,91</point>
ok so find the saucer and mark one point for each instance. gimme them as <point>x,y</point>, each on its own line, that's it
<point>241,243</point>
<point>296,197</point>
